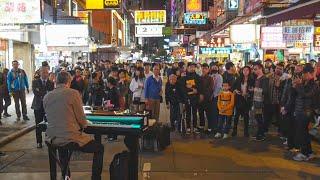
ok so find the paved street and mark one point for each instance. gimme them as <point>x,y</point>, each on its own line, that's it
<point>192,157</point>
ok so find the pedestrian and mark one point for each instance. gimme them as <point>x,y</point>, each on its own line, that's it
<point>17,85</point>
<point>40,88</point>
<point>260,98</point>
<point>191,85</point>
<point>243,98</point>
<point>217,87</point>
<point>77,82</point>
<point>173,99</point>
<point>305,90</point>
<point>205,105</point>
<point>5,93</point>
<point>96,89</point>
<point>153,92</point>
<point>225,107</point>
<point>147,72</point>
<point>123,85</point>
<point>137,89</point>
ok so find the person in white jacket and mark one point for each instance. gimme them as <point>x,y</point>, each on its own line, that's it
<point>137,88</point>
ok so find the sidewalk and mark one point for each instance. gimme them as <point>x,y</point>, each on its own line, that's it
<point>10,128</point>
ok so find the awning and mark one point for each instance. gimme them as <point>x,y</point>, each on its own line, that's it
<point>301,11</point>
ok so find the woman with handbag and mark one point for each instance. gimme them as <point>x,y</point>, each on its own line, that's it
<point>137,88</point>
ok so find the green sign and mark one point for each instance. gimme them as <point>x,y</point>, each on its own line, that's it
<point>167,31</point>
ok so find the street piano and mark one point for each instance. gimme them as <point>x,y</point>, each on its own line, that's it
<point>123,123</point>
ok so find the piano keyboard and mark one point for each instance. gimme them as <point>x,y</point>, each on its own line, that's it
<point>113,125</point>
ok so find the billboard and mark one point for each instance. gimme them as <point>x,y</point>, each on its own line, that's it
<point>67,35</point>
<point>243,33</point>
<point>150,17</point>
<point>272,38</point>
<point>20,12</point>
<point>197,18</point>
<point>149,30</point>
<point>193,5</point>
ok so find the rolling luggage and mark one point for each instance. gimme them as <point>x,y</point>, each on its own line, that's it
<point>163,137</point>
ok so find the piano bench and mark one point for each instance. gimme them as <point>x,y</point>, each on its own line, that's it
<point>65,153</point>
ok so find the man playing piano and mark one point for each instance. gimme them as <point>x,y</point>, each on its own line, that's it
<point>66,119</point>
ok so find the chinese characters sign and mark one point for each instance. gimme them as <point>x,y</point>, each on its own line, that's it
<point>20,11</point>
<point>271,37</point>
<point>150,17</point>
<point>193,5</point>
<point>196,18</point>
<point>303,34</point>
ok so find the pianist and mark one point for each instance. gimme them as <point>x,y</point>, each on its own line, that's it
<point>63,107</point>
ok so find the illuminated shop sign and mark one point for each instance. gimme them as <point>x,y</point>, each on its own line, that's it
<point>243,33</point>
<point>150,17</point>
<point>149,30</point>
<point>20,12</point>
<point>103,4</point>
<point>193,5</point>
<point>210,50</point>
<point>272,37</point>
<point>233,4</point>
<point>196,18</point>
<point>293,34</point>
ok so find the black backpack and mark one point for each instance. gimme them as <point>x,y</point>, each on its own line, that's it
<point>119,167</point>
<point>163,135</point>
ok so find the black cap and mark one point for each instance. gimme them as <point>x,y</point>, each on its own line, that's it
<point>205,65</point>
<point>191,64</point>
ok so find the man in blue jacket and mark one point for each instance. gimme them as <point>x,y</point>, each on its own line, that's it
<point>17,85</point>
<point>153,92</point>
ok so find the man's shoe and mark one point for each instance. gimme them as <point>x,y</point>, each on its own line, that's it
<point>260,138</point>
<point>225,136</point>
<point>196,130</point>
<point>39,145</point>
<point>188,131</point>
<point>2,153</point>
<point>300,157</point>
<point>26,118</point>
<point>18,119</point>
<point>6,115</point>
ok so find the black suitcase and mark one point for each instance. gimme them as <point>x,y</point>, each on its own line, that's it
<point>119,167</point>
<point>164,139</point>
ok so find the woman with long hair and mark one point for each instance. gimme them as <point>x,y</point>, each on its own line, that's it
<point>96,89</point>
<point>137,88</point>
<point>243,91</point>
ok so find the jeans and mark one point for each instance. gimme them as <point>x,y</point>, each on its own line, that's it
<point>302,133</point>
<point>271,111</point>
<point>224,124</point>
<point>261,125</point>
<point>205,109</point>
<point>92,147</point>
<point>191,111</point>
<point>244,112</point>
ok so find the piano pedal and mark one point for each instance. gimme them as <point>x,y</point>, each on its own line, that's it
<point>146,171</point>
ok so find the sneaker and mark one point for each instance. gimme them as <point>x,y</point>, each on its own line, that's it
<point>311,156</point>
<point>218,135</point>
<point>225,136</point>
<point>26,118</point>
<point>188,131</point>
<point>196,130</point>
<point>39,145</point>
<point>300,157</point>
<point>285,143</point>
<point>6,115</point>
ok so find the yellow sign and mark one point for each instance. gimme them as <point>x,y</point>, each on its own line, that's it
<point>103,4</point>
<point>316,30</point>
<point>193,5</point>
<point>317,40</point>
<point>150,17</point>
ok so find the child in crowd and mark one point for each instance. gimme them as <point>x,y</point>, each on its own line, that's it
<point>225,107</point>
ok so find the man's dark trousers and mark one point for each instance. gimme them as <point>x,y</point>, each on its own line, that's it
<point>39,117</point>
<point>20,96</point>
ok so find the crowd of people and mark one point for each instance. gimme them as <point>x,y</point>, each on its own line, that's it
<point>202,98</point>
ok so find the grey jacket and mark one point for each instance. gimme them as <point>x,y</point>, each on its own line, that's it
<point>63,107</point>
